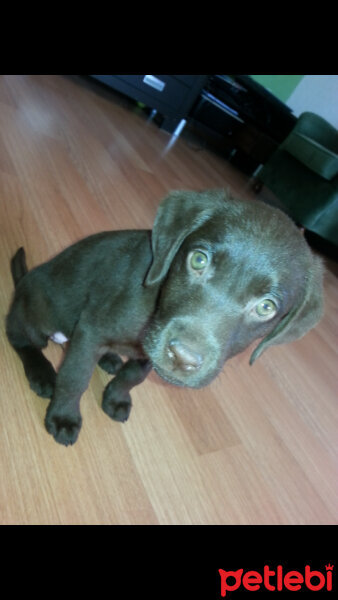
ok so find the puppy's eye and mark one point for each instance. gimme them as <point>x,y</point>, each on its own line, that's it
<point>199,260</point>
<point>266,308</point>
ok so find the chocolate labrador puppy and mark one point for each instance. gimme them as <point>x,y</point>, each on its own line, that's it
<point>214,274</point>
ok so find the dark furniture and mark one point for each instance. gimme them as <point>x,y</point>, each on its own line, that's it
<point>170,95</point>
<point>247,121</point>
<point>231,112</point>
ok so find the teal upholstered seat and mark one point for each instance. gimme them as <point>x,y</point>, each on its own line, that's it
<point>303,174</point>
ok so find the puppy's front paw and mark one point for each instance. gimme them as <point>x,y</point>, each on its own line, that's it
<point>64,428</point>
<point>111,363</point>
<point>117,408</point>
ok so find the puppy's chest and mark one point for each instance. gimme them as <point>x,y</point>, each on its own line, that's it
<point>131,350</point>
<point>59,338</point>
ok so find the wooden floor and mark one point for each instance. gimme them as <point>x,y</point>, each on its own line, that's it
<point>74,160</point>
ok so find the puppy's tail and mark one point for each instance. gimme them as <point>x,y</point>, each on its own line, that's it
<point>18,266</point>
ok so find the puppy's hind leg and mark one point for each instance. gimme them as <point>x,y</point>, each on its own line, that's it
<point>39,371</point>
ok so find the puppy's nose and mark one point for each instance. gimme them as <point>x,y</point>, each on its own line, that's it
<point>184,357</point>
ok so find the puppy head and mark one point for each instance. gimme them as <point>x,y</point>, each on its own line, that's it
<point>231,271</point>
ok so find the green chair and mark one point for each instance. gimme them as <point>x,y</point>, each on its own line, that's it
<point>303,175</point>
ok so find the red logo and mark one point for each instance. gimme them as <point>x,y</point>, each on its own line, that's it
<point>274,580</point>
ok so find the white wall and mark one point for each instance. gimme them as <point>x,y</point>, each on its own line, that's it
<point>318,94</point>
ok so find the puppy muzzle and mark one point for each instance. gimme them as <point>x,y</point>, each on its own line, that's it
<point>183,354</point>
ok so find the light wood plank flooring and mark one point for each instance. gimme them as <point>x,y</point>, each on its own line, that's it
<point>258,446</point>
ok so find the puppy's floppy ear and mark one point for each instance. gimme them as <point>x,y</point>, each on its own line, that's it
<point>302,317</point>
<point>179,214</point>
